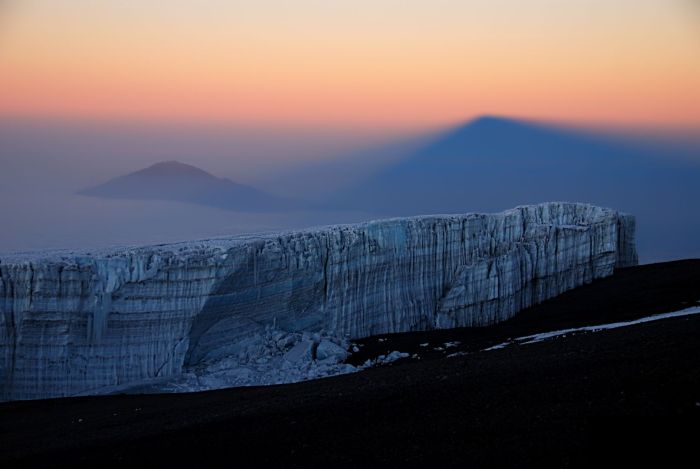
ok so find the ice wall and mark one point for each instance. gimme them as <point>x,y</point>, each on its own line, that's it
<point>76,322</point>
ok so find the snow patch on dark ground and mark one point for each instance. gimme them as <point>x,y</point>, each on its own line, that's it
<point>534,338</point>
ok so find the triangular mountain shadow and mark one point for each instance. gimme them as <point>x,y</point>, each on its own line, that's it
<point>492,163</point>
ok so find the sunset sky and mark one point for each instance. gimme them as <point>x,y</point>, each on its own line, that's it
<point>361,62</point>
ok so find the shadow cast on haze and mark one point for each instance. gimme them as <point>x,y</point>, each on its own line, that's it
<point>486,165</point>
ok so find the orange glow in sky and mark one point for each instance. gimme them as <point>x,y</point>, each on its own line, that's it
<point>361,62</point>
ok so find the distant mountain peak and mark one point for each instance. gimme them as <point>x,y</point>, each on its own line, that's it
<point>175,167</point>
<point>176,181</point>
<point>171,164</point>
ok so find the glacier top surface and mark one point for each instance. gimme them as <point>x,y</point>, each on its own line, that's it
<point>223,243</point>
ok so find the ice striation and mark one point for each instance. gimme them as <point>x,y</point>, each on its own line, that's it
<point>78,322</point>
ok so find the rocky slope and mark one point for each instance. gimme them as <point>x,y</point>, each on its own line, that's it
<point>77,322</point>
<point>624,395</point>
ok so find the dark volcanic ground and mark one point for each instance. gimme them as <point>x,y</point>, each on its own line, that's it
<point>619,396</point>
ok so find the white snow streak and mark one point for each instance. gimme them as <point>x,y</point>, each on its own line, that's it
<point>531,339</point>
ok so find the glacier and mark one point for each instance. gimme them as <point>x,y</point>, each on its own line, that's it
<point>76,322</point>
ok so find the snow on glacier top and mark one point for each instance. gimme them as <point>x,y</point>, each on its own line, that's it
<point>223,243</point>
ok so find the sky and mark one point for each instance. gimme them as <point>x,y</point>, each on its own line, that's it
<point>361,63</point>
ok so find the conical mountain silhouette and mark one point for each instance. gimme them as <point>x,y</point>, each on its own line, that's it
<point>180,182</point>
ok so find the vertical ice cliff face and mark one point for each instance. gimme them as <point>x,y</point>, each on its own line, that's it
<point>73,323</point>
